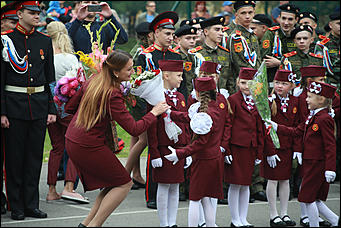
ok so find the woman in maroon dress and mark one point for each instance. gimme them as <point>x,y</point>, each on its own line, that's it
<point>100,101</point>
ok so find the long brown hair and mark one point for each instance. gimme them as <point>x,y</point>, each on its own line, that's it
<point>93,106</point>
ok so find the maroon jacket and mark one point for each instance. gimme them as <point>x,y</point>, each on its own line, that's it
<point>318,138</point>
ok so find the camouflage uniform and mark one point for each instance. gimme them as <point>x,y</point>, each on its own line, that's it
<point>226,33</point>
<point>334,52</point>
<point>137,49</point>
<point>237,59</point>
<point>218,55</point>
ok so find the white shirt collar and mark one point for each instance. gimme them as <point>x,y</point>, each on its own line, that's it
<point>317,110</point>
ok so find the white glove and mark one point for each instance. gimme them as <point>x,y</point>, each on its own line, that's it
<point>172,157</point>
<point>156,163</point>
<point>188,162</point>
<point>330,176</point>
<point>268,123</point>
<point>228,159</point>
<point>272,160</point>
<point>257,161</point>
<point>298,155</point>
<point>222,149</point>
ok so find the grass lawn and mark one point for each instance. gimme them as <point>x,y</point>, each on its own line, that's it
<point>121,134</point>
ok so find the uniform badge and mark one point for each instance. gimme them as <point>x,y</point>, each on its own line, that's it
<point>294,110</point>
<point>238,47</point>
<point>188,66</point>
<point>138,70</point>
<point>183,104</point>
<point>42,54</point>
<point>266,43</point>
<point>315,127</point>
<point>221,105</point>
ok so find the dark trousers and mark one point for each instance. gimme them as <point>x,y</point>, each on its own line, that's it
<point>3,196</point>
<point>151,187</point>
<point>23,161</point>
<point>57,132</point>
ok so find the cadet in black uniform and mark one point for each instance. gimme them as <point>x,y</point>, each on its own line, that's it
<point>26,108</point>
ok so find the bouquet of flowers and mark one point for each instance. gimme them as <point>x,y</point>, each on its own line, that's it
<point>129,100</point>
<point>149,86</point>
<point>259,92</point>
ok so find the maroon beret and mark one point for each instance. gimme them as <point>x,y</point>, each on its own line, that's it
<point>322,89</point>
<point>247,73</point>
<point>171,65</point>
<point>210,67</point>
<point>204,84</point>
<point>313,71</point>
<point>285,76</point>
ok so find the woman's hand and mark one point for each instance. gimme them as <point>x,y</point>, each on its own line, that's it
<point>160,108</point>
<point>106,11</point>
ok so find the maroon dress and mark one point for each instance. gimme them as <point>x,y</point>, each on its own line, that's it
<point>158,143</point>
<point>97,165</point>
<point>319,154</point>
<point>288,144</point>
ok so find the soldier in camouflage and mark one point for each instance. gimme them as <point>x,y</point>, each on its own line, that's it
<point>260,26</point>
<point>145,38</point>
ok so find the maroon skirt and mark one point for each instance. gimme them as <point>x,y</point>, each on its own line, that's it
<point>168,173</point>
<point>206,178</point>
<point>242,166</point>
<point>98,167</point>
<point>283,169</point>
<point>314,185</point>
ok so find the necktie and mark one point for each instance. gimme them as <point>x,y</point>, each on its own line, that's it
<point>309,117</point>
<point>172,96</point>
<point>249,102</point>
<point>284,104</point>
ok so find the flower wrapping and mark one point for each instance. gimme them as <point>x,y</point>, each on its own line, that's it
<point>149,86</point>
<point>259,91</point>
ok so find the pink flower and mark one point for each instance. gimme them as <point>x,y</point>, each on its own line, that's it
<point>74,83</point>
<point>64,90</point>
<point>63,81</point>
<point>72,92</point>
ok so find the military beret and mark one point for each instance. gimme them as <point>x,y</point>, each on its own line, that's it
<point>290,8</point>
<point>301,28</point>
<point>219,20</point>
<point>322,89</point>
<point>143,28</point>
<point>239,4</point>
<point>307,15</point>
<point>334,16</point>
<point>171,65</point>
<point>164,20</point>
<point>204,84</point>
<point>262,19</point>
<point>185,30</point>
<point>8,11</point>
<point>193,21</point>
<point>247,73</point>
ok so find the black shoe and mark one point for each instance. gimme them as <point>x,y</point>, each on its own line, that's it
<point>223,201</point>
<point>151,204</point>
<point>134,187</point>
<point>81,225</point>
<point>174,225</point>
<point>260,196</point>
<point>288,222</point>
<point>232,225</point>
<point>325,223</point>
<point>304,224</point>
<point>182,196</point>
<point>3,210</point>
<point>202,225</point>
<point>60,176</point>
<point>251,200</point>
<point>140,185</point>
<point>35,213</point>
<point>17,215</point>
<point>277,224</point>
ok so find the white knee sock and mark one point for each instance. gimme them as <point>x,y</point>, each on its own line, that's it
<point>162,203</point>
<point>327,213</point>
<point>244,196</point>
<point>313,214</point>
<point>271,194</point>
<point>284,191</point>
<point>201,215</point>
<point>173,203</point>
<point>214,202</point>
<point>208,211</point>
<point>233,200</point>
<point>193,213</point>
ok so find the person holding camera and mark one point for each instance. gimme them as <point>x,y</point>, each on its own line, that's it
<point>87,15</point>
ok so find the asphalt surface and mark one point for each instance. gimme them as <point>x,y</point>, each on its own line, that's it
<point>133,211</point>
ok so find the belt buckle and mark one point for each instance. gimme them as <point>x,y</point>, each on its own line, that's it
<point>31,90</point>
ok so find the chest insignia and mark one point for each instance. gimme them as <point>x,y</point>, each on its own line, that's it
<point>315,127</point>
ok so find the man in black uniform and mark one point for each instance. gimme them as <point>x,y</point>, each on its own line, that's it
<point>163,27</point>
<point>26,108</point>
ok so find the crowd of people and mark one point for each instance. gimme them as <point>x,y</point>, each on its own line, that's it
<point>222,152</point>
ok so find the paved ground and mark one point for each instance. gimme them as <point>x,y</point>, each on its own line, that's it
<point>133,212</point>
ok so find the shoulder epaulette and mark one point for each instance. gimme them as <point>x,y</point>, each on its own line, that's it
<point>174,51</point>
<point>7,32</point>
<point>274,28</point>
<point>43,34</point>
<point>325,40</point>
<point>322,37</point>
<point>316,55</point>
<point>239,33</point>
<point>290,54</point>
<point>225,49</point>
<point>193,50</point>
<point>149,49</point>
<point>176,48</point>
<point>226,28</point>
